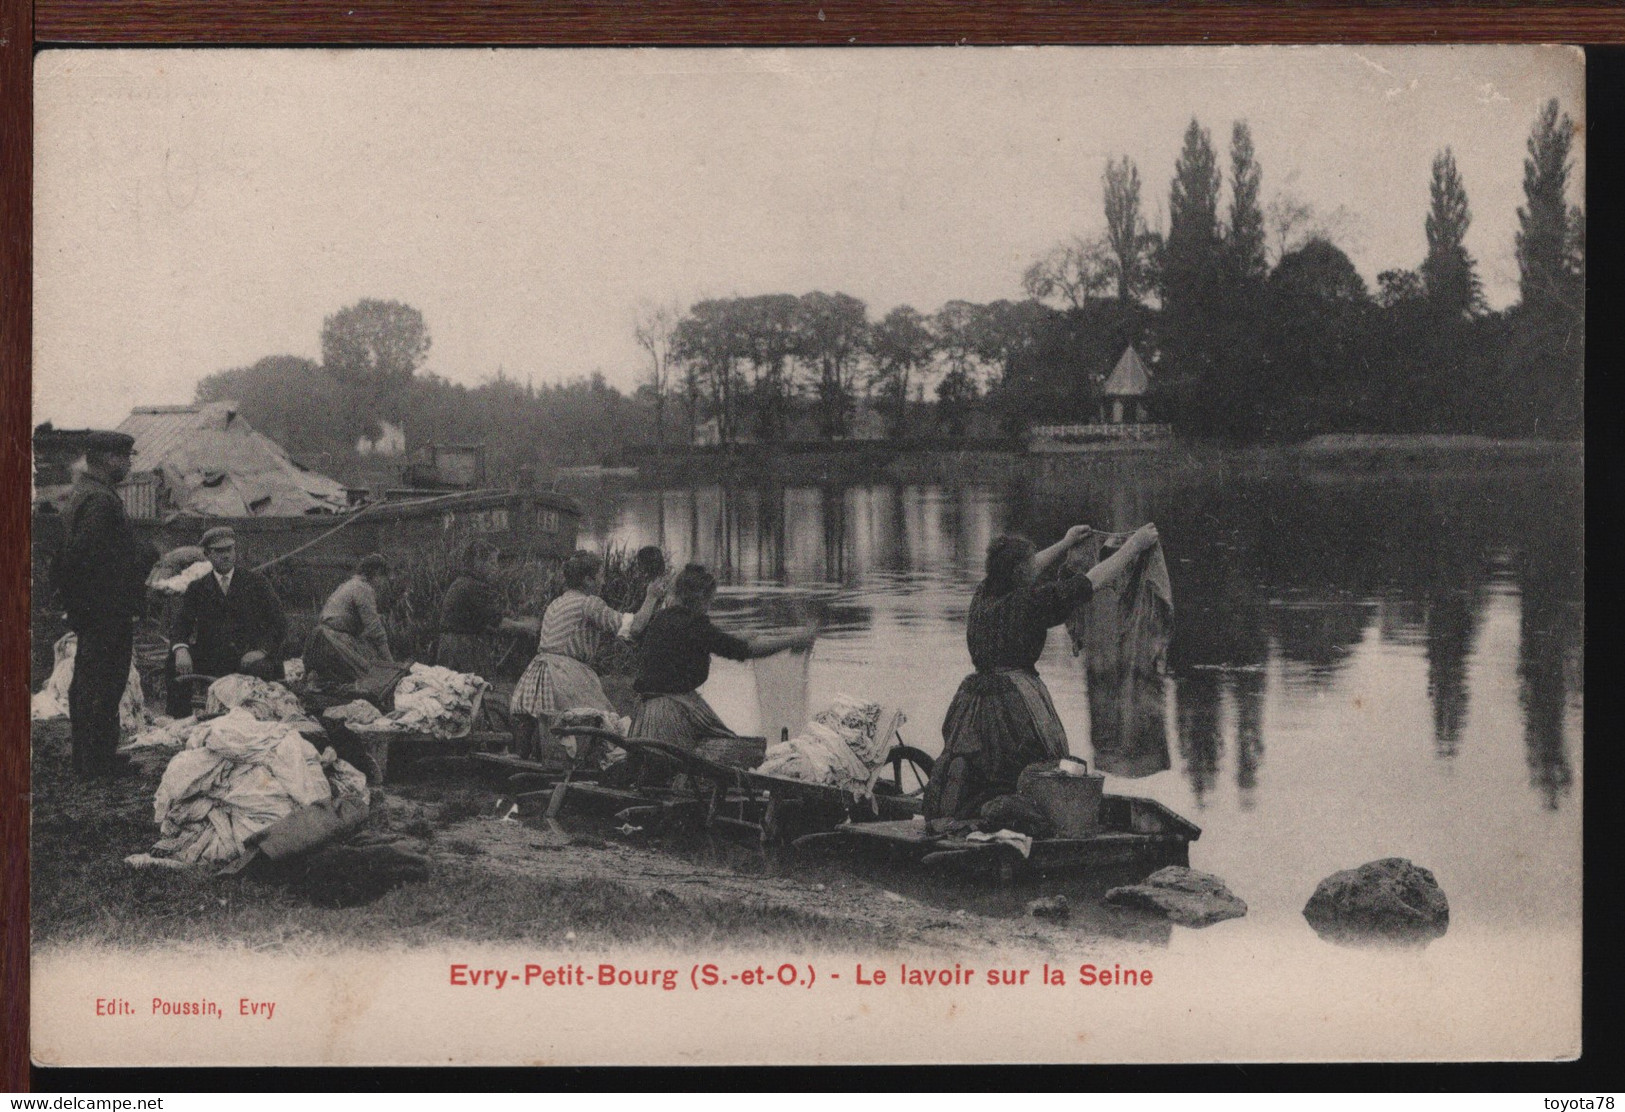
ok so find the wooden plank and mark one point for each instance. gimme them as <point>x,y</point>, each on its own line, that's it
<point>899,833</point>
<point>509,763</point>
<point>600,793</point>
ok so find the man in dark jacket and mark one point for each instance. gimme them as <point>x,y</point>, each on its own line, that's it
<point>229,621</point>
<point>100,575</point>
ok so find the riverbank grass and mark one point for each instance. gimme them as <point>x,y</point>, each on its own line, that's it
<point>82,890</point>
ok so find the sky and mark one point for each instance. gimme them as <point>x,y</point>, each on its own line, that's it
<point>199,210</point>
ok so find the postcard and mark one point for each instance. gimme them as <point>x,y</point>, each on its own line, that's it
<point>762,556</point>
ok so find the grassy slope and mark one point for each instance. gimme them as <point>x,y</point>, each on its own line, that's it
<point>83,891</point>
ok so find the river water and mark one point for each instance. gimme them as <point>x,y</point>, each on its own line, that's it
<point>1367,661</point>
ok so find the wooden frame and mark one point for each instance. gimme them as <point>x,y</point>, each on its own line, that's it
<point>25,27</point>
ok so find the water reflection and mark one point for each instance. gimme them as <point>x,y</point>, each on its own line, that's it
<point>1200,744</point>
<point>1451,620</point>
<point>1284,584</point>
<point>1548,635</point>
<point>1248,692</point>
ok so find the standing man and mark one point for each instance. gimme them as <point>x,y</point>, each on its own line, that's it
<point>100,576</point>
<point>229,621</point>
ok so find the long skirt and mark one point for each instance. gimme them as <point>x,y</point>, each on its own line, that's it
<point>554,683</point>
<point>998,724</point>
<point>337,657</point>
<point>684,720</point>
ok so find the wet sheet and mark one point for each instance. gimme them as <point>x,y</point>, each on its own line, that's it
<point>1124,631</point>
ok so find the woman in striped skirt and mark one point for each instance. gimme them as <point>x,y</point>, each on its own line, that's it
<point>574,627</point>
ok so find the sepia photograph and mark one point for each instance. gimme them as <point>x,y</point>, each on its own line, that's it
<point>743,556</point>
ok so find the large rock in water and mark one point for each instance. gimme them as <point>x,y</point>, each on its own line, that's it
<point>1390,900</point>
<point>1187,897</point>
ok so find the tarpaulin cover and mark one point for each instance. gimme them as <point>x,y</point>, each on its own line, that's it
<point>213,463</point>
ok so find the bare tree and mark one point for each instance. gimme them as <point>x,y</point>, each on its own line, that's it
<point>654,327</point>
<point>1292,222</point>
<point>1073,273</point>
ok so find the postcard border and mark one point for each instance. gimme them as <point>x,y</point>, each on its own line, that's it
<point>25,28</point>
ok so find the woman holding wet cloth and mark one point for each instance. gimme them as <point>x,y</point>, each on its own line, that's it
<point>1001,718</point>
<point>674,661</point>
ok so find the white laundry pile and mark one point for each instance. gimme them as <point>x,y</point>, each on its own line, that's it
<point>266,700</point>
<point>51,701</point>
<point>164,733</point>
<point>842,746</point>
<point>176,582</point>
<point>432,700</point>
<point>237,776</point>
<point>357,712</point>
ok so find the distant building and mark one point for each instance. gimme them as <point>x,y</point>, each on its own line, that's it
<point>1125,414</point>
<point>391,441</point>
<point>439,467</point>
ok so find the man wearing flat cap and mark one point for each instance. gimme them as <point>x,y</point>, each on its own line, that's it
<point>100,576</point>
<point>229,621</point>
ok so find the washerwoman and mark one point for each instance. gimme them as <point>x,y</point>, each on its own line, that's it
<point>1001,718</point>
<point>674,661</point>
<point>574,627</point>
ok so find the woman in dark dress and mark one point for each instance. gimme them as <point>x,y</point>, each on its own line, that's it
<point>471,615</point>
<point>674,661</point>
<point>1001,718</point>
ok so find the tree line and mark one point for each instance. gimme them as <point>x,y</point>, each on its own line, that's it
<point>1302,346</point>
<point>1256,323</point>
<point>371,374</point>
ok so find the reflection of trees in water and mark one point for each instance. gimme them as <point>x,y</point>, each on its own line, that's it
<point>1452,619</point>
<point>1320,637</point>
<point>1247,689</point>
<point>1201,693</point>
<point>1251,555</point>
<point>770,534</point>
<point>1199,741</point>
<point>835,534</point>
<point>1549,635</point>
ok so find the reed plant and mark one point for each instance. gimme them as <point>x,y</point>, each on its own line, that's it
<point>525,586</point>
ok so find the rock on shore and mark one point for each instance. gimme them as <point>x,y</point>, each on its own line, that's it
<point>1390,900</point>
<point>1185,896</point>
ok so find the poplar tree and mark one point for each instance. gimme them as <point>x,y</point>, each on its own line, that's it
<point>1246,240</point>
<point>1544,221</point>
<point>1449,271</point>
<point>1192,252</point>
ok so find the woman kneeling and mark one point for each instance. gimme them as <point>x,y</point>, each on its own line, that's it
<point>1001,718</point>
<point>674,661</point>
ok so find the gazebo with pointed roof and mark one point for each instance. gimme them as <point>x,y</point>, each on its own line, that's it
<point>1125,389</point>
